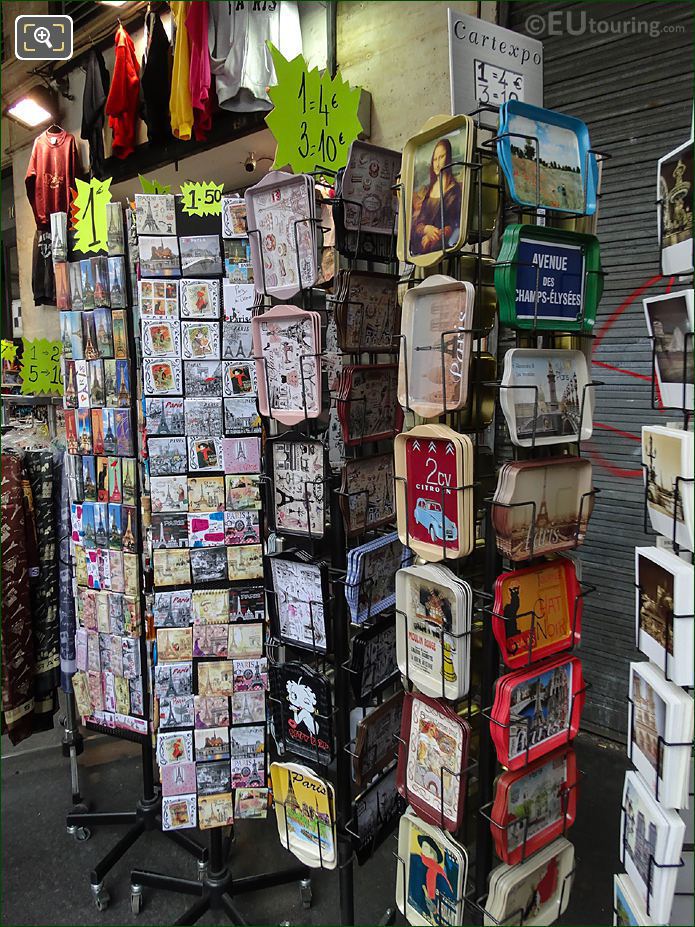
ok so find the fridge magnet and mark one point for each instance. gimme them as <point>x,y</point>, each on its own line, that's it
<point>173,678</point>
<point>200,299</point>
<point>205,454</point>
<point>200,255</point>
<point>206,494</point>
<point>237,341</point>
<point>215,811</point>
<point>203,417</point>
<point>251,803</point>
<point>171,568</point>
<point>202,378</point>
<point>168,494</point>
<point>302,711</point>
<point>250,674</point>
<point>172,609</point>
<point>211,711</point>
<point>209,606</point>
<point>161,338</point>
<point>167,456</point>
<point>158,299</point>
<point>241,416</point>
<point>174,644</point>
<point>247,747</point>
<point>208,564</point>
<point>178,779</point>
<point>155,214</point>
<point>432,760</point>
<point>169,531</point>
<point>176,711</point>
<point>241,528</point>
<point>242,492</point>
<point>212,744</point>
<point>238,300</point>
<point>305,812</point>
<point>245,641</point>
<point>246,603</point>
<point>179,812</point>
<point>206,529</point>
<point>233,217</point>
<point>164,417</point>
<point>239,379</point>
<point>215,678</point>
<point>210,640</point>
<point>248,707</point>
<point>159,256</point>
<point>162,377</point>
<point>200,340</point>
<point>213,778</point>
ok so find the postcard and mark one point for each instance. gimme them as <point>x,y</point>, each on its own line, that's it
<point>248,707</point>
<point>200,299</point>
<point>200,255</point>
<point>167,456</point>
<point>214,777</point>
<point>215,678</point>
<point>178,779</point>
<point>162,377</point>
<point>245,562</point>
<point>206,493</point>
<point>169,494</point>
<point>158,298</point>
<point>210,640</point>
<point>155,214</point>
<point>210,606</point>
<point>211,744</point>
<point>204,417</point>
<point>176,711</point>
<point>174,748</point>
<point>215,810</point>
<point>211,711</point>
<point>172,609</point>
<point>208,564</point>
<point>179,812</point>
<point>171,567</point>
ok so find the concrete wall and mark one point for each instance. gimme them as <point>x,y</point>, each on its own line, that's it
<point>400,53</point>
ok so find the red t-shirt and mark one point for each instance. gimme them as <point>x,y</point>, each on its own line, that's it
<point>53,166</point>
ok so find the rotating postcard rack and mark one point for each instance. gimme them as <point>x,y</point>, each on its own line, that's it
<point>101,425</point>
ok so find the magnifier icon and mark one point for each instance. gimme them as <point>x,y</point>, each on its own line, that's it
<point>43,36</point>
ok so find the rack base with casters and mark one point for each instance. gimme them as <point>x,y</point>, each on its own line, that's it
<point>218,889</point>
<point>146,817</point>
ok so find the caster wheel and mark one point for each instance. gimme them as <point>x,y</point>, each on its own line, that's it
<point>82,834</point>
<point>136,902</point>
<point>102,901</point>
<point>305,893</point>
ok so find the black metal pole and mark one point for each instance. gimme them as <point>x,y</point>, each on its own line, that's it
<point>341,637</point>
<point>486,759</point>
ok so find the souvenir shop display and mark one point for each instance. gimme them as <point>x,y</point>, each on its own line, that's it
<point>651,840</point>
<point>367,192</point>
<point>301,705</point>
<point>546,159</point>
<point>548,279</point>
<point>627,906</point>
<point>434,499</point>
<point>378,809</point>
<point>660,719</point>
<point>431,874</point>
<point>546,396</point>
<point>667,459</point>
<point>542,506</point>
<point>282,229</point>
<point>537,612</point>
<point>286,343</point>
<point>297,597</point>
<point>534,892</point>
<point>537,710</point>
<point>433,760</point>
<point>366,311</point>
<point>373,665</point>
<point>297,466</point>
<point>674,186</point>
<point>367,499</point>
<point>433,624</point>
<point>374,739</point>
<point>664,612</point>
<point>436,339</point>
<point>305,813</point>
<point>369,588</point>
<point>669,319</point>
<point>534,805</point>
<point>367,405</point>
<point>436,178</point>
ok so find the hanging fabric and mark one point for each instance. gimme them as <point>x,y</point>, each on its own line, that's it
<point>155,80</point>
<point>202,96</point>
<point>96,90</point>
<point>180,100</point>
<point>53,166</point>
<point>122,102</point>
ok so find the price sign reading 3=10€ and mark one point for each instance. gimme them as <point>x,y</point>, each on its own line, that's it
<point>314,119</point>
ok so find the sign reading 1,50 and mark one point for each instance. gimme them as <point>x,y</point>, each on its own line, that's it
<point>207,196</point>
<point>326,144</point>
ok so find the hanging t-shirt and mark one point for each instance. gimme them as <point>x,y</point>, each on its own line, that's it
<point>199,72</point>
<point>155,80</point>
<point>180,100</point>
<point>43,283</point>
<point>239,58</point>
<point>53,166</point>
<point>122,104</point>
<point>96,89</point>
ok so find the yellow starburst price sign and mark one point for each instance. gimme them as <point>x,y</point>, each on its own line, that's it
<point>40,367</point>
<point>314,120</point>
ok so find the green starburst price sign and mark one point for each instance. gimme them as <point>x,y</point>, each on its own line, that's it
<point>40,367</point>
<point>89,214</point>
<point>314,119</point>
<point>202,199</point>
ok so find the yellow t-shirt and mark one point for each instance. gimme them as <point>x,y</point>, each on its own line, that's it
<point>180,107</point>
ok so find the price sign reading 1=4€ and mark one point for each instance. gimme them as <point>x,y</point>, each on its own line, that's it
<point>40,367</point>
<point>88,211</point>
<point>314,119</point>
<point>202,199</point>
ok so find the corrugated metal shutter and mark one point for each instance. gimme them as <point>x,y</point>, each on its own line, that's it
<point>635,94</point>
